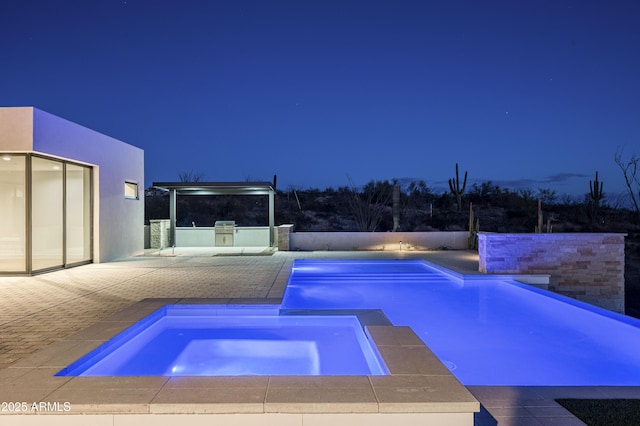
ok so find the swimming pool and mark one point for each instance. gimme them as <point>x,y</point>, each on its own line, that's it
<point>487,331</point>
<point>213,340</point>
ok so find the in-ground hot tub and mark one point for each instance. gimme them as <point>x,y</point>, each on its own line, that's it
<point>213,340</point>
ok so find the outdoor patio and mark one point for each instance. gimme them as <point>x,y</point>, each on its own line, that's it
<point>41,310</point>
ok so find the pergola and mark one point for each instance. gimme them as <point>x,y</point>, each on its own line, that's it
<point>217,188</point>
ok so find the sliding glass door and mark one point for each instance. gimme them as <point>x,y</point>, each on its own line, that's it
<point>13,211</point>
<point>78,214</point>
<point>45,212</point>
<point>60,214</point>
<point>47,236</point>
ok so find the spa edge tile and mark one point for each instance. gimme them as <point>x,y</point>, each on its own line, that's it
<point>139,310</point>
<point>204,301</point>
<point>393,336</point>
<point>256,301</point>
<point>194,382</point>
<point>160,301</point>
<point>117,382</point>
<point>422,394</point>
<point>129,400</point>
<point>207,408</point>
<point>100,331</point>
<point>213,396</point>
<point>412,360</point>
<point>105,394</point>
<point>58,354</point>
<point>428,407</point>
<point>338,406</point>
<point>320,394</point>
<point>319,382</point>
<point>504,396</point>
<point>385,419</point>
<point>159,419</point>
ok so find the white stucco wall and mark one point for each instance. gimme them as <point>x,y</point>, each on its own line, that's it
<point>118,222</point>
<point>256,236</point>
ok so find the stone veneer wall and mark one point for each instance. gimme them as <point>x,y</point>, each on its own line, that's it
<point>159,233</point>
<point>586,267</point>
<point>284,233</point>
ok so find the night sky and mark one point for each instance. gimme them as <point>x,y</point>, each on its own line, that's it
<point>525,93</point>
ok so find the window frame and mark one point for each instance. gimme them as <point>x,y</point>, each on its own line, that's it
<point>128,186</point>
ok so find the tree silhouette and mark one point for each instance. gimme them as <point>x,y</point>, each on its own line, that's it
<point>368,206</point>
<point>191,176</point>
<point>631,177</point>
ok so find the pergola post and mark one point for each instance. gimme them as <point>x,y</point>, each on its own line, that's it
<point>272,220</point>
<point>172,217</point>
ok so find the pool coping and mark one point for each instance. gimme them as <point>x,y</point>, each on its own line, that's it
<point>418,381</point>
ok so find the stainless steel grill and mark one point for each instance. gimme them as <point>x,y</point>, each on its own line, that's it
<point>224,232</point>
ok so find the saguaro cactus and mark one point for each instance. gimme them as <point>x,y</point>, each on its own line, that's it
<point>473,230</point>
<point>595,190</point>
<point>454,186</point>
<point>396,207</point>
<point>595,194</point>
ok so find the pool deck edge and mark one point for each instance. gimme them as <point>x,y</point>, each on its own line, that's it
<point>39,311</point>
<point>418,383</point>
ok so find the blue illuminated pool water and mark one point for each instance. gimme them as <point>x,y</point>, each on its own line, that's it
<point>213,340</point>
<point>487,331</point>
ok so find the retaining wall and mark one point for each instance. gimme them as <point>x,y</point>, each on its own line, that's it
<point>586,267</point>
<point>379,241</point>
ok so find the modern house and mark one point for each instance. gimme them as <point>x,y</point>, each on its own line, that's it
<point>68,195</point>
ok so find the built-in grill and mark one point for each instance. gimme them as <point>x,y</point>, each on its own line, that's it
<point>224,232</point>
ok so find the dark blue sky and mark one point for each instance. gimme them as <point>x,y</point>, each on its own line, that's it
<point>532,93</point>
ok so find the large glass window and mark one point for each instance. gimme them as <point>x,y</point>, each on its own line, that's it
<point>13,211</point>
<point>46,213</point>
<point>78,213</point>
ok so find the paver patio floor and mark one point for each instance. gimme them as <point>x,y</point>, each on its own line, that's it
<point>40,310</point>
